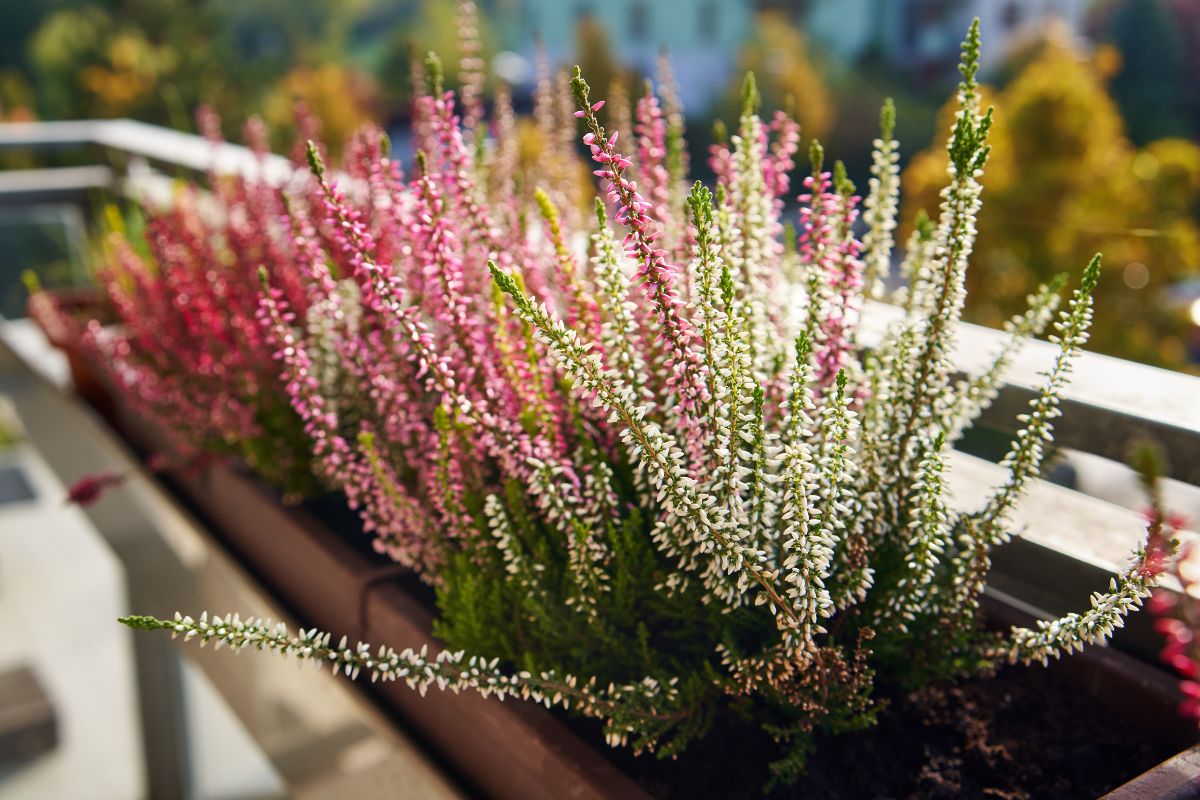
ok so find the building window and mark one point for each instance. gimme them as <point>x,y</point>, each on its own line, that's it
<point>1011,17</point>
<point>707,27</point>
<point>639,22</point>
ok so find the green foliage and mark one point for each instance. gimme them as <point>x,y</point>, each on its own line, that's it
<point>1063,182</point>
<point>434,73</point>
<point>816,155</point>
<point>887,119</point>
<point>642,630</point>
<point>751,100</point>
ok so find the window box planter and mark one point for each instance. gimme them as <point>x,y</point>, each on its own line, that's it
<point>513,749</point>
<point>62,315</point>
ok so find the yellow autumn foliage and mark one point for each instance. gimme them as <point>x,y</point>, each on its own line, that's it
<point>339,96</point>
<point>1064,182</point>
<point>781,59</point>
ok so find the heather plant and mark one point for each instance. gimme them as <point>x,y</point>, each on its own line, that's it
<point>187,350</point>
<point>644,460</point>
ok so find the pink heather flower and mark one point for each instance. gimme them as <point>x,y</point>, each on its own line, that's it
<point>431,338</point>
<point>308,129</point>
<point>387,511</point>
<point>680,365</point>
<point>1161,602</point>
<point>652,156</point>
<point>780,162</point>
<point>88,489</point>
<point>1178,617</point>
<point>188,352</point>
<point>828,246</point>
<point>720,161</point>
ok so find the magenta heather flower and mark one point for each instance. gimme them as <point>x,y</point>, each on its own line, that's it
<point>831,254</point>
<point>1178,613</point>
<point>88,489</point>
<point>189,352</point>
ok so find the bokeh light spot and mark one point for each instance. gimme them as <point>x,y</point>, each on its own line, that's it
<point>1136,275</point>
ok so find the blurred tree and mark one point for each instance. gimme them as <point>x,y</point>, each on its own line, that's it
<point>1063,182</point>
<point>158,60</point>
<point>437,26</point>
<point>139,58</point>
<point>342,98</point>
<point>16,97</point>
<point>780,58</point>
<point>16,105</point>
<point>58,48</point>
<point>594,54</point>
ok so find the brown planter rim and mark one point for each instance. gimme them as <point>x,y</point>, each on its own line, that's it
<point>59,313</point>
<point>517,750</point>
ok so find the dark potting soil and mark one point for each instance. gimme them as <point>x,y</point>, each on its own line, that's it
<point>1027,732</point>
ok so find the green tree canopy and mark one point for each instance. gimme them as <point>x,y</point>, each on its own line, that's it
<point>1082,186</point>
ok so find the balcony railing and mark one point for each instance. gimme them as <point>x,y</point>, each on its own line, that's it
<point>1108,404</point>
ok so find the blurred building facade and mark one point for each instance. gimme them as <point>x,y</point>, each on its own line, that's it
<point>920,34</point>
<point>703,37</point>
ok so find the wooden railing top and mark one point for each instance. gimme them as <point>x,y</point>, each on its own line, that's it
<point>1108,403</point>
<point>147,141</point>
